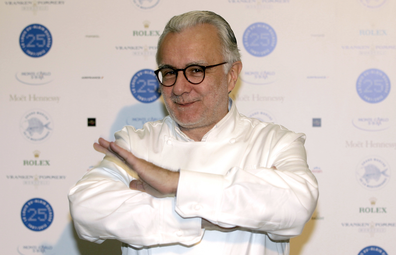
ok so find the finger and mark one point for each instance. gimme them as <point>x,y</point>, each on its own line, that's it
<point>104,142</point>
<point>103,146</point>
<point>100,148</point>
<point>122,153</point>
<point>137,185</point>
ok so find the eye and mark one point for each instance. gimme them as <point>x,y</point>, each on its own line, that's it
<point>168,72</point>
<point>195,70</point>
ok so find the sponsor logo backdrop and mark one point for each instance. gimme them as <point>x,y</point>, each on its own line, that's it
<point>72,71</point>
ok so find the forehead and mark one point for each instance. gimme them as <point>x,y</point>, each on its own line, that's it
<point>198,44</point>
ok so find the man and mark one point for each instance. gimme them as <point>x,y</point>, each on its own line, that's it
<point>206,179</point>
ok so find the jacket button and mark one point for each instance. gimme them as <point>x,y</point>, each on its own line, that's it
<point>198,207</point>
<point>179,233</point>
<point>232,140</point>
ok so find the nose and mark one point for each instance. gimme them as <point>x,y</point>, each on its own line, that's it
<point>182,85</point>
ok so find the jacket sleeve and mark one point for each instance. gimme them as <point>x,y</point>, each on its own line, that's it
<point>103,207</point>
<point>276,201</point>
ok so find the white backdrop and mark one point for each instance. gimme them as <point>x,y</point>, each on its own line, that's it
<point>325,68</point>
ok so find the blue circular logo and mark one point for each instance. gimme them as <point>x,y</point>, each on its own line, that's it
<point>145,87</point>
<point>372,250</point>
<point>146,4</point>
<point>259,39</point>
<point>373,4</point>
<point>35,40</point>
<point>373,173</point>
<point>37,214</point>
<point>263,116</point>
<point>373,86</point>
<point>36,126</point>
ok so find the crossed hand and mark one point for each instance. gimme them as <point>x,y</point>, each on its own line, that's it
<point>152,179</point>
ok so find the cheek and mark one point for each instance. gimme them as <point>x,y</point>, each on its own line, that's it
<point>218,89</point>
<point>166,93</point>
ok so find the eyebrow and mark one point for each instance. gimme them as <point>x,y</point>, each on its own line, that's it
<point>166,66</point>
<point>198,63</point>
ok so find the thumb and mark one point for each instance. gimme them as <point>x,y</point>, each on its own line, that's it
<point>144,187</point>
<point>137,185</point>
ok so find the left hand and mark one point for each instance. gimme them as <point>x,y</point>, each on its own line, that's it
<point>154,180</point>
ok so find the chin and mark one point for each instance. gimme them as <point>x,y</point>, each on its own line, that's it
<point>187,123</point>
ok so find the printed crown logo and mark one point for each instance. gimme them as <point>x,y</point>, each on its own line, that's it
<point>36,154</point>
<point>146,24</point>
<point>373,200</point>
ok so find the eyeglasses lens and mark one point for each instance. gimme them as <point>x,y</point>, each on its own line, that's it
<point>194,74</point>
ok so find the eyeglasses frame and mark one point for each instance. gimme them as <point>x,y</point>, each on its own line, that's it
<point>184,73</point>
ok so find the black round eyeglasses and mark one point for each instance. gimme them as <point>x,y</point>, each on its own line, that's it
<point>195,74</point>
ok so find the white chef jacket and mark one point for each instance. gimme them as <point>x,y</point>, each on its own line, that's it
<point>228,179</point>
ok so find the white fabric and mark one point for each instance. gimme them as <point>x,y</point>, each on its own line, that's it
<point>226,179</point>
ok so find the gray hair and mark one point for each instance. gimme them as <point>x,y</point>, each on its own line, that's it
<point>190,19</point>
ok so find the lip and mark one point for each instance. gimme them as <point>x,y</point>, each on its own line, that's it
<point>185,104</point>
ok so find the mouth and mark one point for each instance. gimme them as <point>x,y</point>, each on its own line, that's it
<point>182,103</point>
<point>185,104</point>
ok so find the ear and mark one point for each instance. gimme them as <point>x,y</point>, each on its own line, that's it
<point>233,75</point>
